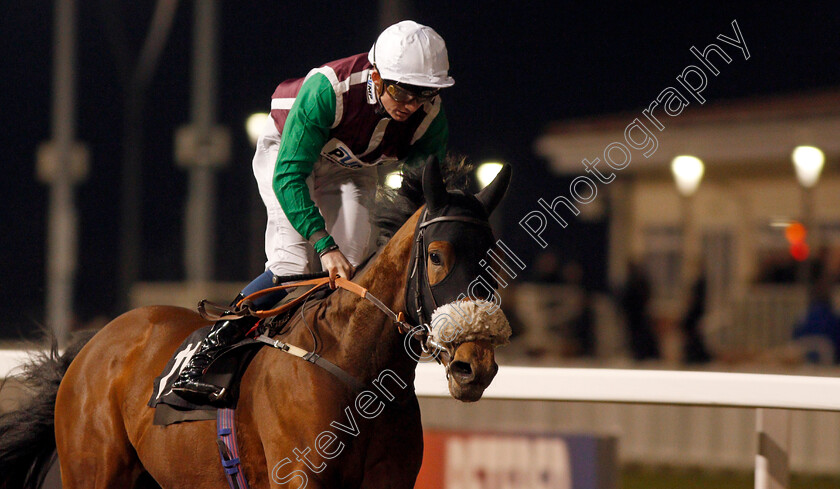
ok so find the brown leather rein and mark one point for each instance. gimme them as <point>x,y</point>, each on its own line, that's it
<point>216,312</point>
<point>244,307</point>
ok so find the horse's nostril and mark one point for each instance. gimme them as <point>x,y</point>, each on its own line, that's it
<point>462,370</point>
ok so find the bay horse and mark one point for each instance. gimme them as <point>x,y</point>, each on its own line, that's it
<point>297,425</point>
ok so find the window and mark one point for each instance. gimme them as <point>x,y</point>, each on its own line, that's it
<point>663,258</point>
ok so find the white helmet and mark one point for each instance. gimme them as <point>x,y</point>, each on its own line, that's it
<point>411,53</point>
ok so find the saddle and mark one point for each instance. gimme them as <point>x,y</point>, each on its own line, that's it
<point>228,368</point>
<point>225,371</point>
<point>230,364</point>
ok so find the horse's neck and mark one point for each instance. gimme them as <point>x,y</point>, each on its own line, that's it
<point>365,339</point>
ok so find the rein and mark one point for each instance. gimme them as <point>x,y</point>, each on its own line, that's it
<point>245,306</point>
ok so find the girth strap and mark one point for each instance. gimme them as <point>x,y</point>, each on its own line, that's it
<point>245,308</point>
<point>228,450</point>
<point>316,359</point>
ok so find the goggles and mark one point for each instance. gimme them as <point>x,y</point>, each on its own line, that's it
<point>404,94</point>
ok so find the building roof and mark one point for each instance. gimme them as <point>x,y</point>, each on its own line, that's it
<point>756,130</point>
<point>787,106</point>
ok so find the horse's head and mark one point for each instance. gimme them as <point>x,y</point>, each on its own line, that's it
<point>466,334</point>
<point>448,287</point>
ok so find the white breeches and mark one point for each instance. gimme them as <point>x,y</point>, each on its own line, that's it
<point>345,198</point>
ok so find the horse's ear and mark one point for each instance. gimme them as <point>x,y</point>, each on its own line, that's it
<point>434,188</point>
<point>492,194</point>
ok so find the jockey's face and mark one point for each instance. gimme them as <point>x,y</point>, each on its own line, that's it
<point>399,111</point>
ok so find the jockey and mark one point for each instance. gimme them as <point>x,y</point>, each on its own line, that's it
<point>315,165</point>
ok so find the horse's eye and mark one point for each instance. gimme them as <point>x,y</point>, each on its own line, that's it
<point>435,258</point>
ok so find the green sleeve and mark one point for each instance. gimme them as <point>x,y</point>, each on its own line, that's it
<point>433,142</point>
<point>304,134</point>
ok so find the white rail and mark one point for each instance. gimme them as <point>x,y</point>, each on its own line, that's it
<point>11,360</point>
<point>773,396</point>
<point>720,389</point>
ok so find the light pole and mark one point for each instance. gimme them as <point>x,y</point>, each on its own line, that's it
<point>487,171</point>
<point>393,179</point>
<point>688,172</point>
<point>808,162</point>
<point>62,162</point>
<point>254,126</point>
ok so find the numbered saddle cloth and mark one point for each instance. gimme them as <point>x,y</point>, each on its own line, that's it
<point>225,371</point>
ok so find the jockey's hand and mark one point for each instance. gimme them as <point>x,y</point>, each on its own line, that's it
<point>337,264</point>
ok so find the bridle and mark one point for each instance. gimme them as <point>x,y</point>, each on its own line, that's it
<point>420,299</point>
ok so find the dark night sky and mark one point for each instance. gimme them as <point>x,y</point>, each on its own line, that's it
<point>518,66</point>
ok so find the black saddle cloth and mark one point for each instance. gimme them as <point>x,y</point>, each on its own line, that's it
<point>225,372</point>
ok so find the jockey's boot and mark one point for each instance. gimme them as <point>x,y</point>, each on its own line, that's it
<point>224,333</point>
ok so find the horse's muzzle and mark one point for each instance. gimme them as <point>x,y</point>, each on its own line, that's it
<point>471,370</point>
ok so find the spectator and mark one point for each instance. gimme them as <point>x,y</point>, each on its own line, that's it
<point>547,268</point>
<point>694,347</point>
<point>635,303</point>
<point>582,324</point>
<point>819,331</point>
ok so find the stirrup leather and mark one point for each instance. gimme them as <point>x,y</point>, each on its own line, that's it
<point>199,392</point>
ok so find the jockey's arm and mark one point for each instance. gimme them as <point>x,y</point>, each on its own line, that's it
<point>304,134</point>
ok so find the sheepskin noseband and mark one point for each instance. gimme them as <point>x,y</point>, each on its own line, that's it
<point>470,320</point>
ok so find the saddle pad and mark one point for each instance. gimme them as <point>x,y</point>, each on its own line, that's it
<point>225,371</point>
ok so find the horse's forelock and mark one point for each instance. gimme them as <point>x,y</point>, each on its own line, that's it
<point>395,206</point>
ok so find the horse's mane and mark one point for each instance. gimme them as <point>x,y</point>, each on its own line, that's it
<point>395,206</point>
